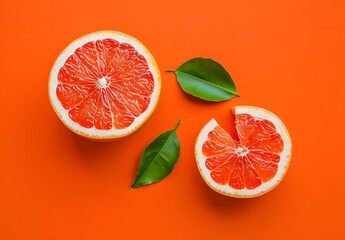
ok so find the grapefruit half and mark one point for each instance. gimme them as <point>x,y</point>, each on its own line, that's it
<point>104,85</point>
<point>250,166</point>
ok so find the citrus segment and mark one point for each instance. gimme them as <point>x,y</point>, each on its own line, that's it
<point>250,166</point>
<point>104,85</point>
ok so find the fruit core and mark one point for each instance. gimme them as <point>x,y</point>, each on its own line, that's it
<point>242,151</point>
<point>103,82</point>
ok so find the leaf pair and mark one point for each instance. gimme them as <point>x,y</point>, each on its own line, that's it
<point>202,78</point>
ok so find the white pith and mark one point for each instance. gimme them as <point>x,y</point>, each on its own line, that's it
<point>103,83</point>
<point>283,164</point>
<point>242,151</point>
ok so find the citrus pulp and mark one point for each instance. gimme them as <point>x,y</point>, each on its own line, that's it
<point>104,85</point>
<point>253,164</point>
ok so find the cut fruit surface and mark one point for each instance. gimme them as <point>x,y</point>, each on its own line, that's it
<point>253,164</point>
<point>104,85</point>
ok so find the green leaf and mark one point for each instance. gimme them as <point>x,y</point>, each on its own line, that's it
<point>158,159</point>
<point>206,79</point>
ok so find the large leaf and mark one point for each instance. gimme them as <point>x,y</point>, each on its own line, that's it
<point>206,79</point>
<point>158,159</point>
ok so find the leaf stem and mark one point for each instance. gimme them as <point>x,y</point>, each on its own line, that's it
<point>177,124</point>
<point>169,70</point>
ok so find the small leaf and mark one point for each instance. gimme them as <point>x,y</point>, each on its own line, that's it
<point>158,159</point>
<point>206,79</point>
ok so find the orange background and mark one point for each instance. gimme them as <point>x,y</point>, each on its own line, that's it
<point>286,56</point>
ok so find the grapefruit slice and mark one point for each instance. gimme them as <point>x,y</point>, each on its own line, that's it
<point>250,166</point>
<point>104,85</point>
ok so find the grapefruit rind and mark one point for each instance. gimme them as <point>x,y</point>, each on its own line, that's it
<point>283,164</point>
<point>94,133</point>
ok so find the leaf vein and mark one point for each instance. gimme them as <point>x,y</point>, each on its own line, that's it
<point>207,82</point>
